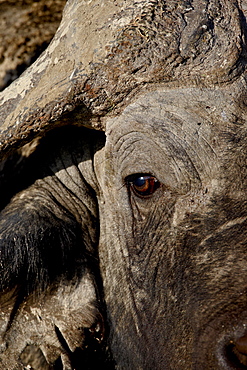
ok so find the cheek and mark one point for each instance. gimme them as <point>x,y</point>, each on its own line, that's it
<point>150,220</point>
<point>139,225</point>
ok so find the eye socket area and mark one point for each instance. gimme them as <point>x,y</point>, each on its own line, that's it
<point>143,185</point>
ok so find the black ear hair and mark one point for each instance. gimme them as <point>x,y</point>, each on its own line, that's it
<point>40,242</point>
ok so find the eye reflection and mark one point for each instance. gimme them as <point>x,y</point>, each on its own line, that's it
<point>143,185</point>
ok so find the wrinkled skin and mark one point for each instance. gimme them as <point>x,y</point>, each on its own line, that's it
<point>167,270</point>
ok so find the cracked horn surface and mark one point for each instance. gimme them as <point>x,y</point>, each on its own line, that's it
<point>104,52</point>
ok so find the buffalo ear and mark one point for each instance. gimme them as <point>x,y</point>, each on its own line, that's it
<point>49,279</point>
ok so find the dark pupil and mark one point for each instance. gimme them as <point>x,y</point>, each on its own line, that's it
<point>145,185</point>
<point>140,182</point>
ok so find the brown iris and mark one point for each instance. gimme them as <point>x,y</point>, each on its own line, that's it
<point>143,184</point>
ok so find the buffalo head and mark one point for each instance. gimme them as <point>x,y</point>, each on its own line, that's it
<point>124,180</point>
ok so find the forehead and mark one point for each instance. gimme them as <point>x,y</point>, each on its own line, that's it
<point>200,128</point>
<point>207,112</point>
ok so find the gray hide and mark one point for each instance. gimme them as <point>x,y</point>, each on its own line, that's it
<point>126,249</point>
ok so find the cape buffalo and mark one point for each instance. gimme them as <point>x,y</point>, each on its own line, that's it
<point>124,191</point>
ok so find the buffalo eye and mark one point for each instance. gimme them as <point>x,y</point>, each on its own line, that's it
<point>143,185</point>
